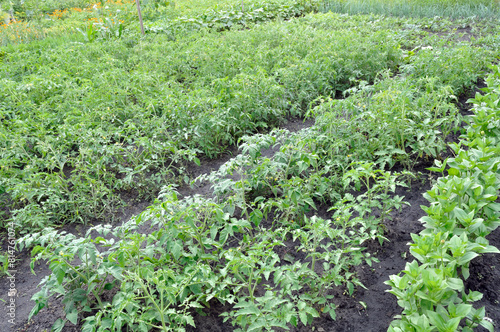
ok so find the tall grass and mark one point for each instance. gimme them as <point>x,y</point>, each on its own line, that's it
<point>417,8</point>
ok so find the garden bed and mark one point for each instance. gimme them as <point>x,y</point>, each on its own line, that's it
<point>300,227</point>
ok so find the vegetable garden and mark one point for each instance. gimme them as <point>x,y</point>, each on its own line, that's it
<point>288,227</point>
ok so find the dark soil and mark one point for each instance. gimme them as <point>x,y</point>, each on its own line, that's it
<point>381,307</point>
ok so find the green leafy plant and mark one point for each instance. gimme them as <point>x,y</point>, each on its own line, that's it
<point>81,286</point>
<point>90,33</point>
<point>377,185</point>
<point>462,213</point>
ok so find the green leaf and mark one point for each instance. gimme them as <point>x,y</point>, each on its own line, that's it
<point>59,272</point>
<point>257,326</point>
<point>303,317</point>
<point>247,309</point>
<point>311,311</point>
<point>176,250</point>
<point>36,250</point>
<point>195,288</point>
<point>213,232</point>
<point>39,306</point>
<point>288,258</point>
<point>487,325</point>
<point>490,250</point>
<point>333,314</point>
<point>116,272</point>
<point>189,320</point>
<point>195,305</point>
<point>463,310</point>
<point>350,287</point>
<point>109,285</point>
<point>455,284</point>
<point>72,316</point>
<point>106,323</point>
<point>467,257</point>
<point>58,325</point>
<point>465,272</point>
<point>452,324</point>
<point>437,320</point>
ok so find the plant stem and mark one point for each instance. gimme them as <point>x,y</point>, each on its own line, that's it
<point>140,16</point>
<point>86,282</point>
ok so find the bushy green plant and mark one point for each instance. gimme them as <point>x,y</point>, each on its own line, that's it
<point>110,116</point>
<point>161,276</point>
<point>462,213</point>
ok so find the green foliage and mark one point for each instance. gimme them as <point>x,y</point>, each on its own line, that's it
<point>75,283</point>
<point>4,263</point>
<point>377,185</point>
<point>109,29</point>
<point>416,8</point>
<point>188,260</point>
<point>239,18</point>
<point>86,121</point>
<point>395,120</point>
<point>443,62</point>
<point>462,212</point>
<point>83,123</point>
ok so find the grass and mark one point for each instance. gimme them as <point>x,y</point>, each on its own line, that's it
<point>417,8</point>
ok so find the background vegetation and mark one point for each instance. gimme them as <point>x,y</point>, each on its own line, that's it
<point>95,116</point>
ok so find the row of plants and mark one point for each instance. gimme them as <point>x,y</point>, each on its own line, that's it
<point>214,251</point>
<point>84,122</point>
<point>417,8</point>
<point>463,211</point>
<point>257,246</point>
<point>197,254</point>
<point>396,120</point>
<point>239,17</point>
